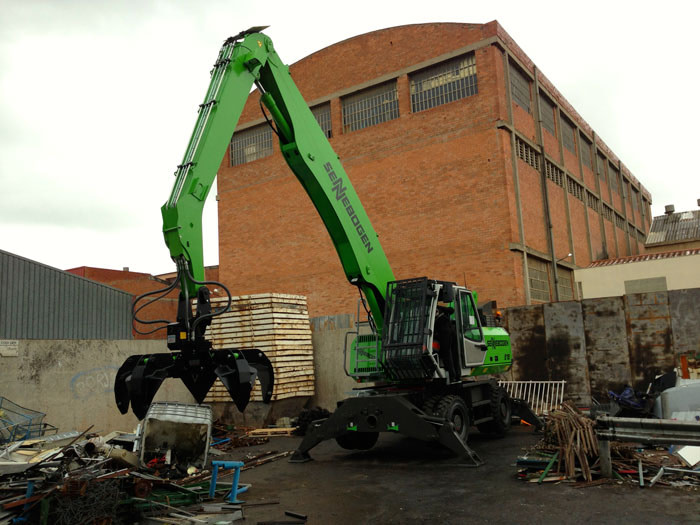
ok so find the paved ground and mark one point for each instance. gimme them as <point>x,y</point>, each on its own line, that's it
<point>405,481</point>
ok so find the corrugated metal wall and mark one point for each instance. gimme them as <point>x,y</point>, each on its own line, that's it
<point>40,302</point>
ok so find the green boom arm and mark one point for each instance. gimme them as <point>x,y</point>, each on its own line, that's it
<point>244,60</point>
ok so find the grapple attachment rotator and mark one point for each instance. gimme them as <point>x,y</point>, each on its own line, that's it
<point>193,360</point>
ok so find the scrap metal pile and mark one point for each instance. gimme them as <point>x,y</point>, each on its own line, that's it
<point>570,451</point>
<point>75,478</point>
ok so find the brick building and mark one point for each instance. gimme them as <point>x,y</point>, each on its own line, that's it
<point>437,126</point>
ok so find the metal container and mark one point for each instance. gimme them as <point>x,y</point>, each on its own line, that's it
<point>179,432</point>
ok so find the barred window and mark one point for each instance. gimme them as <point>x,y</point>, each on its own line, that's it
<point>566,289</point>
<point>641,237</point>
<point>620,221</point>
<point>567,135</point>
<point>527,153</point>
<point>251,144</point>
<point>554,174</point>
<point>593,201</point>
<point>585,147</point>
<point>538,272</point>
<point>547,110</point>
<point>635,199</point>
<point>322,113</point>
<point>574,188</point>
<point>520,87</point>
<point>625,184</point>
<point>443,83</point>
<point>370,107</point>
<point>607,212</point>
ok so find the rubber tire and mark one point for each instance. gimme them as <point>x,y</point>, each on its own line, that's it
<point>454,409</point>
<point>501,410</point>
<point>430,404</point>
<point>357,440</point>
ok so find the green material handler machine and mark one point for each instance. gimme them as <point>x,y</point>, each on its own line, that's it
<point>423,353</point>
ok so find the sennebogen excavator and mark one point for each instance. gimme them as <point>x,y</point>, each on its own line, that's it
<point>423,353</point>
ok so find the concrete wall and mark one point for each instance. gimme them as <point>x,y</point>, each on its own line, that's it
<point>607,281</point>
<point>603,344</point>
<point>72,381</point>
<point>332,384</point>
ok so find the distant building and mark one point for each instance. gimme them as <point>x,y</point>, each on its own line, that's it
<point>41,302</point>
<point>136,283</point>
<point>470,163</point>
<point>653,272</point>
<point>674,231</point>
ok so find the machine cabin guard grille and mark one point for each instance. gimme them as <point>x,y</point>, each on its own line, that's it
<point>407,330</point>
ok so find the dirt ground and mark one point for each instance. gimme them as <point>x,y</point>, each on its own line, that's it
<point>402,480</point>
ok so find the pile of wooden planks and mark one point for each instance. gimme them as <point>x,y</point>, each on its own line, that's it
<point>575,438</point>
<point>278,325</point>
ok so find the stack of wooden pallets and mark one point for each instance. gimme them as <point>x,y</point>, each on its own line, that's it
<point>278,325</point>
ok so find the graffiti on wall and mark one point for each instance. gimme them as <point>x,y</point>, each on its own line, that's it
<point>94,381</point>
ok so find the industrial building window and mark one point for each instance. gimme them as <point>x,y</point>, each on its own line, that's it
<point>520,87</point>
<point>370,107</point>
<point>566,289</point>
<point>527,153</point>
<point>539,280</point>
<point>601,169</point>
<point>554,174</point>
<point>613,177</point>
<point>322,113</point>
<point>251,144</point>
<point>585,151</point>
<point>547,111</point>
<point>443,83</point>
<point>593,201</point>
<point>607,212</point>
<point>635,199</point>
<point>568,135</point>
<point>574,188</point>
<point>625,184</point>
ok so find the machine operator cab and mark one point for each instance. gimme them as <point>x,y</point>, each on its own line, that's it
<point>433,330</point>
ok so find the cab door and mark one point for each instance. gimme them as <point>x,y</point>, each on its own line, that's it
<point>469,331</point>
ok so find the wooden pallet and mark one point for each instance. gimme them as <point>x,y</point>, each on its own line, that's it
<point>276,324</point>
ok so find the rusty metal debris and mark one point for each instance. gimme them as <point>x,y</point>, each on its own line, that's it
<point>82,477</point>
<point>571,451</point>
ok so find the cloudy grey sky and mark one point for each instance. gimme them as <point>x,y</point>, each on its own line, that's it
<point>98,100</point>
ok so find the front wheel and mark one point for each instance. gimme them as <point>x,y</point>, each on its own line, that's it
<point>455,410</point>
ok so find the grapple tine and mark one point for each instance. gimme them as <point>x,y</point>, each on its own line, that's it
<point>145,379</point>
<point>121,390</point>
<point>266,373</point>
<point>198,378</point>
<point>237,376</point>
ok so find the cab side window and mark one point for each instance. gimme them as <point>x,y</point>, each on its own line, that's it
<point>470,325</point>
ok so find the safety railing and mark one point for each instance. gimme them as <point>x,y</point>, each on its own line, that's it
<point>542,396</point>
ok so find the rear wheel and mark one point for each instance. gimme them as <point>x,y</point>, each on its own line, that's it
<point>455,410</point>
<point>357,440</point>
<point>501,411</point>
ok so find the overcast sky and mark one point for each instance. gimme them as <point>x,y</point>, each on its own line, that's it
<point>98,100</point>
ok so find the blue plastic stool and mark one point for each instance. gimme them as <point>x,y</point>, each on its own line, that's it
<point>235,489</point>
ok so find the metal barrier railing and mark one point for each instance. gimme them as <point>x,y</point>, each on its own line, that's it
<point>542,396</point>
